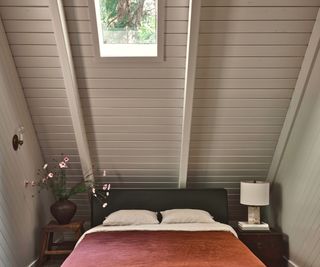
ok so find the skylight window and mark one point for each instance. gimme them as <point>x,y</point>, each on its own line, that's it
<point>127,28</point>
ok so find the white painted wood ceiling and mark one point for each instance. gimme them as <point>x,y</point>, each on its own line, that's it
<point>249,57</point>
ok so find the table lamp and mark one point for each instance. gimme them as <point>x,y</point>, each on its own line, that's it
<point>254,194</point>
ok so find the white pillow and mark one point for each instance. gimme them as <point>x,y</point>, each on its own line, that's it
<point>186,216</point>
<point>131,217</point>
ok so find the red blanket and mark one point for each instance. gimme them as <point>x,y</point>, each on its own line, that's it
<point>161,249</point>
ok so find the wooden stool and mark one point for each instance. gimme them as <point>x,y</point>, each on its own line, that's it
<point>62,248</point>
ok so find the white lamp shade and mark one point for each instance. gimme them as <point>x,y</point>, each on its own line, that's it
<point>254,193</point>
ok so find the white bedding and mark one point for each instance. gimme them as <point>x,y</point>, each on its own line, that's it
<point>214,226</point>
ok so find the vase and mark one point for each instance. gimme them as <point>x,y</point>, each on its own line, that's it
<point>63,210</point>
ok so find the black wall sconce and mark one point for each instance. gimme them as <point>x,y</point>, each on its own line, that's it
<point>17,139</point>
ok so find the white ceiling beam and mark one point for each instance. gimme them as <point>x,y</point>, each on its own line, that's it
<point>70,81</point>
<point>189,83</point>
<point>300,88</point>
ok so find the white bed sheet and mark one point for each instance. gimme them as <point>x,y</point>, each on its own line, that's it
<point>193,227</point>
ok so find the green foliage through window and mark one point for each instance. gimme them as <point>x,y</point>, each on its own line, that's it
<point>128,21</point>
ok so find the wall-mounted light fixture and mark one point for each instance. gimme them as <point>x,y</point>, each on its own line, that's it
<point>17,139</point>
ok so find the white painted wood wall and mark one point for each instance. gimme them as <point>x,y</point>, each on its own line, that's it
<point>249,57</point>
<point>30,32</point>
<point>21,215</point>
<point>132,111</point>
<point>295,193</point>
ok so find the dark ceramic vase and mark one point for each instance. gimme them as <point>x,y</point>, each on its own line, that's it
<point>63,211</point>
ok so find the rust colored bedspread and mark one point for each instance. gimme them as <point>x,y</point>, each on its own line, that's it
<point>161,249</point>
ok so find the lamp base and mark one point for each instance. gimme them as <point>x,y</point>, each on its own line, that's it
<point>253,215</point>
<point>245,226</point>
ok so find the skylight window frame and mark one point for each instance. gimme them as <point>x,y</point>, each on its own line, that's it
<point>160,38</point>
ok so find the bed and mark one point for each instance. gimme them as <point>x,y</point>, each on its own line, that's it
<point>160,245</point>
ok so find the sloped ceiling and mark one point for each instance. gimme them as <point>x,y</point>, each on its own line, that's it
<point>249,57</point>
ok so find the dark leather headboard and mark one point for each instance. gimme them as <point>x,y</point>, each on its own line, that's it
<point>212,200</point>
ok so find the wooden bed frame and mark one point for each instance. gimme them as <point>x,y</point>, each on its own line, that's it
<point>214,201</point>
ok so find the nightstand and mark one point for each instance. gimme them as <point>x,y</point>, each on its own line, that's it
<point>48,247</point>
<point>267,246</point>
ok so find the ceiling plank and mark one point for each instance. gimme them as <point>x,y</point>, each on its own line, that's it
<point>301,85</point>
<point>70,82</point>
<point>190,75</point>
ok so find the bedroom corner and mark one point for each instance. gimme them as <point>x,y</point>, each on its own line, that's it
<point>21,215</point>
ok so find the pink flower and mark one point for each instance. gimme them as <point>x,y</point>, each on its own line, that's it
<point>63,165</point>
<point>105,187</point>
<point>50,175</point>
<point>104,205</point>
<point>33,183</point>
<point>45,166</point>
<point>66,159</point>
